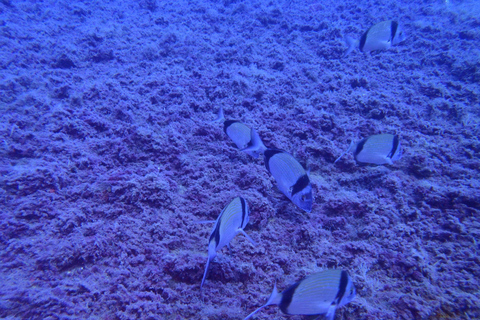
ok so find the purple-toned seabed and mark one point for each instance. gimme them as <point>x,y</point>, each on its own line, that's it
<point>109,157</point>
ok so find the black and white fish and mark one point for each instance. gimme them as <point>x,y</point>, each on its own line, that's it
<point>231,221</point>
<point>379,37</point>
<point>319,293</point>
<point>376,149</point>
<point>292,179</point>
<point>246,139</point>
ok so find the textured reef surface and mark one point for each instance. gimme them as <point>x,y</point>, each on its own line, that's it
<point>109,157</point>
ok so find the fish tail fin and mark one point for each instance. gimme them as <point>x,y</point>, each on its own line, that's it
<point>273,299</point>
<point>251,314</point>
<point>349,148</point>
<point>205,273</point>
<point>398,155</point>
<point>248,237</point>
<point>351,44</point>
<point>257,147</point>
<point>220,116</point>
<point>211,255</point>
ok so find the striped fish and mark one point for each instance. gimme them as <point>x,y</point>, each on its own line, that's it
<point>376,149</point>
<point>319,293</point>
<point>291,177</point>
<point>379,37</point>
<point>231,221</point>
<point>246,139</point>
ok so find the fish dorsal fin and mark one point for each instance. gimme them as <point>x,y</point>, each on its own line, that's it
<point>273,299</point>
<point>352,144</point>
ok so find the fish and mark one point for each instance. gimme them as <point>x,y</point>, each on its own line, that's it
<point>378,37</point>
<point>377,149</point>
<point>292,179</point>
<point>231,221</point>
<point>245,138</point>
<point>317,294</point>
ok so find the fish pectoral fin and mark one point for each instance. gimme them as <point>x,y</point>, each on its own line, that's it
<point>331,312</point>
<point>388,160</point>
<point>387,44</point>
<point>248,237</point>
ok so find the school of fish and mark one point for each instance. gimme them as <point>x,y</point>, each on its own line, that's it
<point>323,292</point>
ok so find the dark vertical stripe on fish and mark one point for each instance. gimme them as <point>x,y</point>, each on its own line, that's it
<point>301,184</point>
<point>287,297</point>
<point>216,233</point>
<point>227,124</point>
<point>363,39</point>
<point>250,143</point>
<point>244,210</point>
<point>359,147</point>
<point>342,287</point>
<point>394,147</point>
<point>393,30</point>
<point>269,153</point>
